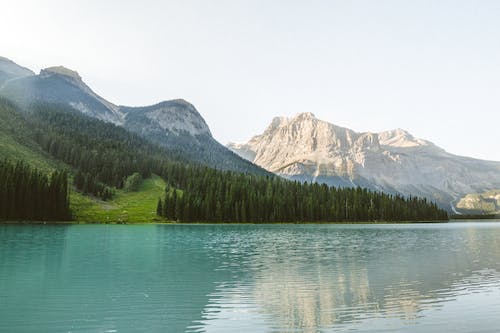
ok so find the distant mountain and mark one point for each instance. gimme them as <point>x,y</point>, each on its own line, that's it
<point>308,149</point>
<point>59,85</point>
<point>484,203</point>
<point>175,124</point>
<point>10,70</point>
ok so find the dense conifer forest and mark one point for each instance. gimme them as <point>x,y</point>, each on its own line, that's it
<point>28,194</point>
<point>102,154</point>
<point>104,157</point>
<point>210,195</point>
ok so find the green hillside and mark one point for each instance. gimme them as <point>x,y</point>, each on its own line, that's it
<point>17,143</point>
<point>136,207</point>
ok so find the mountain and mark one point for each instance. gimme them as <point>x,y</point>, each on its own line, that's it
<point>305,148</point>
<point>10,70</point>
<point>62,86</point>
<point>178,126</point>
<point>484,203</point>
<point>175,125</point>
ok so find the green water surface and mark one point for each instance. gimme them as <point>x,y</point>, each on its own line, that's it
<point>250,278</point>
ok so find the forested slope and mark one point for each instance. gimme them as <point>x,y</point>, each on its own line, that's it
<point>101,156</point>
<point>17,142</point>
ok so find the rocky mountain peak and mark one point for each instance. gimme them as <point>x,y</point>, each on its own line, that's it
<point>179,101</point>
<point>401,138</point>
<point>309,149</point>
<point>73,91</point>
<point>303,122</point>
<point>175,116</point>
<point>275,124</point>
<point>304,116</point>
<point>61,70</point>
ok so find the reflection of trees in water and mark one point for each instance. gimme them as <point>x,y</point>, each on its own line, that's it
<point>98,277</point>
<point>306,282</point>
<point>30,259</point>
<point>304,277</point>
<point>190,273</point>
<point>45,244</point>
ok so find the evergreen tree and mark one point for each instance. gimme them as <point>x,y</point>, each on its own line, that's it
<point>28,194</point>
<point>159,208</point>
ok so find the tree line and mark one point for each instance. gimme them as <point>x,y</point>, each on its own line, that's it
<point>27,193</point>
<point>203,194</point>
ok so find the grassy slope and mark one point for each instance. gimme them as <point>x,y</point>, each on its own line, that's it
<point>133,207</point>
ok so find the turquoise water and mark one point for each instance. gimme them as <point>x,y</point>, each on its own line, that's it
<point>250,278</point>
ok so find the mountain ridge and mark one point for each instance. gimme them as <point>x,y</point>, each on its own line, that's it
<point>174,124</point>
<point>10,70</point>
<point>306,148</point>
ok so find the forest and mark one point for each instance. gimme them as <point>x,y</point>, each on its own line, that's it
<point>210,195</point>
<point>28,194</point>
<point>103,156</point>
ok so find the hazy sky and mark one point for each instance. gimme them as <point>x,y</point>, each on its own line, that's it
<point>431,67</point>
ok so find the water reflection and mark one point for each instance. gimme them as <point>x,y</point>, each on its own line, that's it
<point>250,278</point>
<point>102,278</point>
<point>314,278</point>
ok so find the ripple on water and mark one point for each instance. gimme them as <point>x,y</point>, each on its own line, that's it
<point>250,278</point>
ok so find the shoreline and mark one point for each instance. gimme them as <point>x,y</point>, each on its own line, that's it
<point>225,223</point>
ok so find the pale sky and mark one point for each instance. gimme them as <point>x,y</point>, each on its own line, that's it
<point>431,67</point>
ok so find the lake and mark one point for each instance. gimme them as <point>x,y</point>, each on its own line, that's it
<point>250,278</point>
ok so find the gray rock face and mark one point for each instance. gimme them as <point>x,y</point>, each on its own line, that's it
<point>177,117</point>
<point>308,149</point>
<point>178,126</point>
<point>483,203</point>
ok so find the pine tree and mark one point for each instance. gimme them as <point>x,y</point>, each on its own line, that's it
<point>159,208</point>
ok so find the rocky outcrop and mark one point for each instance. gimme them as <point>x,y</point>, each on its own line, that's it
<point>484,203</point>
<point>176,117</point>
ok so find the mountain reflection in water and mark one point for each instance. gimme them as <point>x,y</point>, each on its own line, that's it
<point>311,278</point>
<point>250,278</point>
